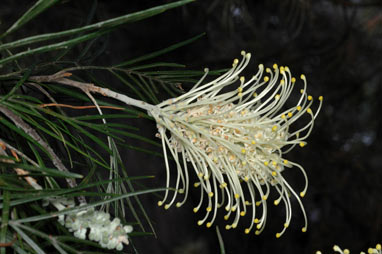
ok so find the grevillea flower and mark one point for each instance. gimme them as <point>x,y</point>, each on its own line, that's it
<point>235,141</point>
<point>376,250</point>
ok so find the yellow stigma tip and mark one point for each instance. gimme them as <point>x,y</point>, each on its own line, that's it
<point>302,144</point>
<point>253,142</point>
<point>235,61</point>
<point>246,178</point>
<point>196,185</point>
<point>310,98</point>
<point>283,116</point>
<point>211,194</point>
<point>320,98</point>
<point>286,225</point>
<point>266,163</point>
<point>181,191</point>
<point>227,227</point>
<point>246,231</point>
<point>264,197</point>
<point>242,52</point>
<point>302,194</point>
<point>268,70</point>
<point>166,206</point>
<point>209,224</point>
<point>309,111</point>
<point>276,202</point>
<point>254,94</point>
<point>209,209</point>
<point>258,226</point>
<point>226,217</point>
<point>178,204</point>
<point>237,196</point>
<point>278,235</point>
<point>290,114</point>
<point>257,232</point>
<point>242,213</point>
<point>234,225</point>
<point>346,251</point>
<point>302,76</point>
<point>303,229</point>
<point>274,128</point>
<point>285,161</point>
<point>378,246</point>
<point>293,80</point>
<point>200,222</point>
<point>302,91</point>
<point>298,108</point>
<point>266,78</point>
<point>242,79</point>
<point>256,220</point>
<point>240,89</point>
<point>243,163</point>
<point>277,96</point>
<point>274,173</point>
<point>243,151</point>
<point>258,203</point>
<point>275,66</point>
<point>282,82</point>
<point>195,210</point>
<point>160,203</point>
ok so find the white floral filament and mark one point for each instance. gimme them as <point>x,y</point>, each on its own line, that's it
<point>235,142</point>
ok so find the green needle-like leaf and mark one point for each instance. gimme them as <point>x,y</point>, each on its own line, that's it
<point>4,218</point>
<point>110,23</point>
<point>35,10</point>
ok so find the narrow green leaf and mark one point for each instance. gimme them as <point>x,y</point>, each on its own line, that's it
<point>220,239</point>
<point>4,218</point>
<point>159,52</point>
<point>110,23</point>
<point>27,239</point>
<point>18,84</point>
<point>55,46</point>
<point>35,10</point>
<point>49,171</point>
<point>84,207</point>
<point>149,66</point>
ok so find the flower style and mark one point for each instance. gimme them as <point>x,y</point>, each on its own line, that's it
<point>235,141</point>
<point>376,250</point>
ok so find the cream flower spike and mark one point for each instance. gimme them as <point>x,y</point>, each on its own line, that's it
<point>235,142</point>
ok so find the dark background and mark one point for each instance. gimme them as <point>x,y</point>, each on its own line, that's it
<point>337,44</point>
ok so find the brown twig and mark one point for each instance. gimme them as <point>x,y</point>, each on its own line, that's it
<point>34,135</point>
<point>9,244</point>
<point>76,107</point>
<point>60,77</point>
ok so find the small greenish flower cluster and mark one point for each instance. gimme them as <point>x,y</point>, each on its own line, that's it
<point>376,250</point>
<point>109,234</point>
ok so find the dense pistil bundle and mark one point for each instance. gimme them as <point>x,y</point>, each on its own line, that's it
<point>235,142</point>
